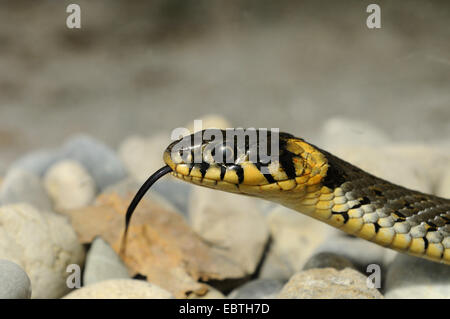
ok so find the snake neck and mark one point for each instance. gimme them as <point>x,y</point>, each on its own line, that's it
<point>379,211</point>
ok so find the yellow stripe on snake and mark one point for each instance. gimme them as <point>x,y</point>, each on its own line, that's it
<point>325,187</point>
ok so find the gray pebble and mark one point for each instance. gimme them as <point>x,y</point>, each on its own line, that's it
<point>38,162</point>
<point>14,282</point>
<point>21,186</point>
<point>412,277</point>
<point>102,263</point>
<point>328,260</point>
<point>257,289</point>
<point>174,191</point>
<point>101,162</point>
<point>358,251</point>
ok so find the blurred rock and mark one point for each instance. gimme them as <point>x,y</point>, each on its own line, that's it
<point>328,283</point>
<point>69,185</point>
<point>257,289</point>
<point>160,246</point>
<point>43,244</point>
<point>328,260</point>
<point>143,156</point>
<point>37,162</point>
<point>358,251</point>
<point>411,277</point>
<point>22,186</point>
<point>231,223</point>
<point>14,282</point>
<point>294,238</point>
<point>102,263</point>
<point>120,289</point>
<point>101,162</point>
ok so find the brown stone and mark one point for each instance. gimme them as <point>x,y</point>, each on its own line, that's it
<point>160,245</point>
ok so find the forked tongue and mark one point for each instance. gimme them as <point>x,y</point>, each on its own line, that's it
<point>137,198</point>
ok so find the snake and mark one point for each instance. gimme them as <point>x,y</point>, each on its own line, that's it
<point>312,181</point>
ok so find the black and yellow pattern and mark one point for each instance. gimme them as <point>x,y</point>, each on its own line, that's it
<point>316,183</point>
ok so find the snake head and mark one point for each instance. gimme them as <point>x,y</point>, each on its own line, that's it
<point>246,161</point>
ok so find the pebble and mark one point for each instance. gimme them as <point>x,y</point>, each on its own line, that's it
<point>120,289</point>
<point>227,221</point>
<point>328,260</point>
<point>294,238</point>
<point>328,283</point>
<point>411,277</point>
<point>174,191</point>
<point>21,185</point>
<point>43,244</point>
<point>37,162</point>
<point>161,246</point>
<point>15,283</point>
<point>102,263</point>
<point>257,289</point>
<point>359,252</point>
<point>101,162</point>
<point>69,185</point>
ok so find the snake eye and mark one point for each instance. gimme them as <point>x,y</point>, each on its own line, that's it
<point>186,156</point>
<point>223,154</point>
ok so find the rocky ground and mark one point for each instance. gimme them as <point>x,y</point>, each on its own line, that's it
<point>65,207</point>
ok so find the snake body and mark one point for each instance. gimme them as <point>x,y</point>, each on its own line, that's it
<point>316,183</point>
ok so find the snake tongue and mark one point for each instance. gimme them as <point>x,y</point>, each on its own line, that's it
<point>137,198</point>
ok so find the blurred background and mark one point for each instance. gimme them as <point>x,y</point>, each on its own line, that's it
<point>142,67</point>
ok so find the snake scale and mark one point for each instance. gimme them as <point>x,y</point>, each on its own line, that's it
<point>314,182</point>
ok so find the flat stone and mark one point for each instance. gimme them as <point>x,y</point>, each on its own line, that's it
<point>411,277</point>
<point>160,246</point>
<point>15,283</point>
<point>43,243</point>
<point>102,263</point>
<point>120,289</point>
<point>328,283</point>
